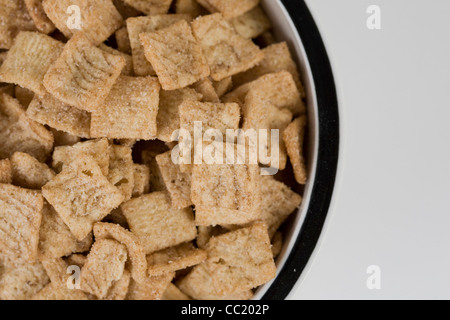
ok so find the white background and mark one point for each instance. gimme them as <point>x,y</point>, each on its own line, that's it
<point>391,206</point>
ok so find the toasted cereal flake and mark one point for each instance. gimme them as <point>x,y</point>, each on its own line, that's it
<point>227,52</point>
<point>205,234</point>
<point>266,39</point>
<point>21,282</point>
<point>23,95</point>
<point>150,7</point>
<point>230,8</point>
<point>119,288</point>
<point>105,264</point>
<point>178,183</point>
<point>83,74</point>
<point>128,69</point>
<point>139,25</point>
<point>55,238</point>
<point>278,202</point>
<point>223,86</point>
<point>63,139</point>
<point>20,220</point>
<point>7,89</point>
<point>173,293</point>
<point>51,292</point>
<point>123,42</point>
<point>14,18</point>
<point>125,10</point>
<point>157,225</point>
<point>99,18</point>
<point>3,55</point>
<point>277,244</point>
<point>152,289</point>
<point>138,266</point>
<point>173,259</point>
<point>56,270</point>
<point>98,149</point>
<point>129,111</point>
<point>252,23</point>
<point>121,170</point>
<point>169,115</point>
<point>175,56</point>
<point>19,133</point>
<point>116,217</point>
<point>29,59</point>
<point>82,195</point>
<point>28,172</point>
<point>293,137</point>
<point>5,171</point>
<point>76,260</point>
<point>141,180</point>
<point>206,88</point>
<point>37,13</point>
<point>190,7</point>
<point>48,110</point>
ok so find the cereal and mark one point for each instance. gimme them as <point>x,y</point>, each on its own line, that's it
<point>37,13</point>
<point>24,96</point>
<point>54,293</point>
<point>152,289</point>
<point>229,8</point>
<point>5,171</point>
<point>119,288</point>
<point>157,225</point>
<point>277,244</point>
<point>190,7</point>
<point>150,7</point>
<point>141,180</point>
<point>28,172</point>
<point>121,170</point>
<point>14,18</point>
<point>63,139</point>
<point>7,89</point>
<point>293,137</point>
<point>83,74</point>
<point>125,10</point>
<point>76,259</point>
<point>123,42</point>
<point>252,23</point>
<point>206,233</point>
<point>116,217</point>
<point>227,52</point>
<point>223,86</point>
<point>128,69</point>
<point>206,88</point>
<point>175,56</point>
<point>56,270</point>
<point>173,293</point>
<point>156,178</point>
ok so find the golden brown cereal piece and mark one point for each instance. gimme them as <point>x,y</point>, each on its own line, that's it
<point>178,183</point>
<point>119,288</point>
<point>3,55</point>
<point>229,8</point>
<point>135,250</point>
<point>152,289</point>
<point>5,171</point>
<point>294,136</point>
<point>23,95</point>
<point>14,18</point>
<point>123,42</point>
<point>169,115</point>
<point>141,180</point>
<point>18,133</point>
<point>37,13</point>
<point>278,202</point>
<point>223,86</point>
<point>173,293</point>
<point>139,25</point>
<point>277,244</point>
<point>116,217</point>
<point>20,220</point>
<point>126,142</point>
<point>51,292</point>
<point>206,233</point>
<point>190,7</point>
<point>121,170</point>
<point>76,260</point>
<point>277,58</point>
<point>63,139</point>
<point>55,238</point>
<point>56,270</point>
<point>99,18</point>
<point>266,39</point>
<point>157,225</point>
<point>129,111</point>
<point>98,149</point>
<point>227,52</point>
<point>21,282</point>
<point>125,10</point>
<point>252,23</point>
<point>82,195</point>
<point>206,88</point>
<point>156,179</point>
<point>50,111</point>
<point>105,264</point>
<point>28,172</point>
<point>29,60</point>
<point>175,55</point>
<point>150,7</point>
<point>173,259</point>
<point>83,74</point>
<point>7,89</point>
<point>128,69</point>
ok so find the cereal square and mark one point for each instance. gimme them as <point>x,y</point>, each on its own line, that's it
<point>157,225</point>
<point>252,23</point>
<point>24,96</point>
<point>141,180</point>
<point>175,55</point>
<point>37,13</point>
<point>14,18</point>
<point>150,7</point>
<point>223,86</point>
<point>121,170</point>
<point>152,289</point>
<point>82,195</point>
<point>125,10</point>
<point>190,7</point>
<point>293,137</point>
<point>128,69</point>
<point>28,172</point>
<point>277,244</point>
<point>206,88</point>
<point>173,293</point>
<point>123,42</point>
<point>63,139</point>
<point>51,292</point>
<point>229,8</point>
<point>5,171</point>
<point>119,289</point>
<point>83,74</point>
<point>227,52</point>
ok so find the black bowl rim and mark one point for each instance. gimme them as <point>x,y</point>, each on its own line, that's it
<point>328,152</point>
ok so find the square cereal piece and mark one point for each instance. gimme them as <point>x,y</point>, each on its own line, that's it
<point>294,137</point>
<point>178,183</point>
<point>97,149</point>
<point>63,139</point>
<point>14,18</point>
<point>125,10</point>
<point>128,69</point>
<point>173,293</point>
<point>23,95</point>
<point>278,203</point>
<point>252,23</point>
<point>76,260</point>
<point>139,25</point>
<point>55,238</point>
<point>229,8</point>
<point>150,7</point>
<point>223,86</point>
<point>123,42</point>
<point>129,111</point>
<point>206,88</point>
<point>240,260</point>
<point>56,270</point>
<point>48,110</point>
<point>175,55</point>
<point>20,219</point>
<point>116,217</point>
<point>105,264</point>
<point>51,292</point>
<point>29,59</point>
<point>227,52</point>
<point>7,89</point>
<point>190,7</point>
<point>156,179</point>
<point>99,18</point>
<point>37,13</point>
<point>119,289</point>
<point>141,180</point>
<point>121,170</point>
<point>168,120</point>
<point>152,289</point>
<point>157,225</point>
<point>173,259</point>
<point>21,282</point>
<point>83,74</point>
<point>5,171</point>
<point>277,58</point>
<point>206,233</point>
<point>277,244</point>
<point>28,172</point>
<point>82,195</point>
